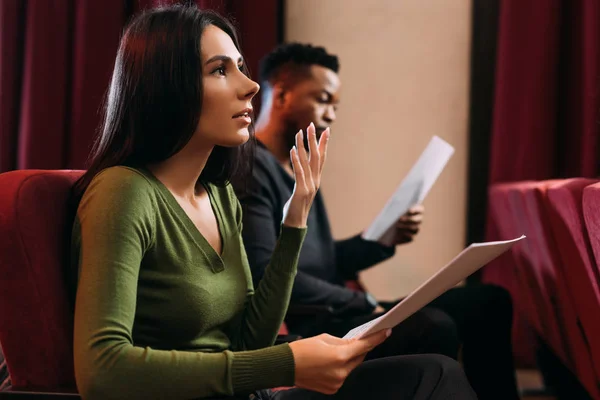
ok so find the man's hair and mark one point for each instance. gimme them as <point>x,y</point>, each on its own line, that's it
<point>293,61</point>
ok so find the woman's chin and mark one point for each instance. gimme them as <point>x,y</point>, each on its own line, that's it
<point>238,139</point>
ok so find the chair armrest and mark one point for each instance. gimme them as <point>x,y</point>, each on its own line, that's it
<point>12,394</point>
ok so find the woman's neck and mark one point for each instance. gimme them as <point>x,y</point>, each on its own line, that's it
<point>180,172</point>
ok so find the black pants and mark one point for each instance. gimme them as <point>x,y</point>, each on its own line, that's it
<point>413,377</point>
<point>478,317</point>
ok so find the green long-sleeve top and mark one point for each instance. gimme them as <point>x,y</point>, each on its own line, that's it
<point>158,313</point>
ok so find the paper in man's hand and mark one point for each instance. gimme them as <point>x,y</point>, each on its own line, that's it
<point>413,189</point>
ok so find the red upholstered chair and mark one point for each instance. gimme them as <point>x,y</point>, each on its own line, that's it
<point>541,262</point>
<point>512,273</point>
<point>36,322</point>
<point>547,258</point>
<point>591,214</point>
<point>565,210</point>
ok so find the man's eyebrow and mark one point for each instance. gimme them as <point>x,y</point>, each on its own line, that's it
<point>328,94</point>
<point>222,58</point>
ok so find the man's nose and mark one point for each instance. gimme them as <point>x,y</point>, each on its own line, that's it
<point>329,116</point>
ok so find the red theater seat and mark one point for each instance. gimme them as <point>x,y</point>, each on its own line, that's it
<point>36,321</point>
<point>540,263</point>
<point>507,271</point>
<point>564,204</point>
<point>591,214</point>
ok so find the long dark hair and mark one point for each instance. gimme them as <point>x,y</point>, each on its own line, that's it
<point>153,104</point>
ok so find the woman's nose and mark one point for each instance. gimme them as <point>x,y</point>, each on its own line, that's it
<point>251,89</point>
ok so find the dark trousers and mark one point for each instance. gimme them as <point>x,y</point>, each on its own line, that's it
<point>479,317</point>
<point>413,377</point>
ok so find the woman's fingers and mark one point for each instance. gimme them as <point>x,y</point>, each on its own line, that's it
<point>297,167</point>
<point>304,160</point>
<point>333,340</point>
<point>314,156</point>
<point>323,144</point>
<point>366,344</point>
<point>301,150</point>
<point>307,172</point>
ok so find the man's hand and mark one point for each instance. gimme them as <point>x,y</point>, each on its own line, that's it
<point>405,229</point>
<point>379,310</point>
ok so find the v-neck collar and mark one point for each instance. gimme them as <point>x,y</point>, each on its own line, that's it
<point>215,259</point>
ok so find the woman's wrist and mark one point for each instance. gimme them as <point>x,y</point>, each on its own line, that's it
<point>292,222</point>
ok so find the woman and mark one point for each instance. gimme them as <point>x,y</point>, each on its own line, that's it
<point>165,306</point>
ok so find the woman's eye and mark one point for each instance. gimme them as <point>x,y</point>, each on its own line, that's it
<point>241,67</point>
<point>220,71</point>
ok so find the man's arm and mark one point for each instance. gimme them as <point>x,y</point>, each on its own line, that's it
<point>356,254</point>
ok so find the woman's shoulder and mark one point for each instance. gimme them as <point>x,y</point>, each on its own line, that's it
<point>120,183</point>
<point>122,176</point>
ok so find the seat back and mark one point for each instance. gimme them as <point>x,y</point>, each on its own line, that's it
<point>36,321</point>
<point>565,210</point>
<point>591,214</point>
<point>506,271</point>
<point>541,262</point>
<point>502,208</point>
<point>500,271</point>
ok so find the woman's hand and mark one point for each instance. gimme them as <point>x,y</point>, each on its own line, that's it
<point>307,172</point>
<point>323,362</point>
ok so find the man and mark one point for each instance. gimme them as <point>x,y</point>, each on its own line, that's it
<point>301,86</point>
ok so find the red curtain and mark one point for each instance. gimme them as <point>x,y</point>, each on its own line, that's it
<point>56,58</point>
<point>546,113</point>
<point>546,120</point>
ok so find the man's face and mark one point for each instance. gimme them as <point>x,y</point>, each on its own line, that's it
<point>314,99</point>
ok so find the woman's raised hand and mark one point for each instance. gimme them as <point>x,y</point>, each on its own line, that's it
<point>307,172</point>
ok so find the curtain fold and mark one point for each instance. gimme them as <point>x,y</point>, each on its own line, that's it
<point>546,116</point>
<point>12,36</point>
<point>524,128</point>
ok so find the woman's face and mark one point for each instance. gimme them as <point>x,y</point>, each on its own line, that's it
<point>226,102</point>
